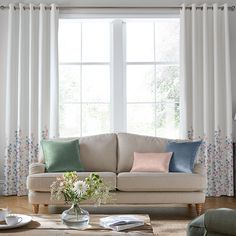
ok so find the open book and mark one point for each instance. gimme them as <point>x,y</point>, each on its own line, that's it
<point>121,222</point>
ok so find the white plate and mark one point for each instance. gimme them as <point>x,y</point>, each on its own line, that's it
<point>25,220</point>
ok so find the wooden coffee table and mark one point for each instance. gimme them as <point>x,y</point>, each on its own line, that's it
<point>45,225</point>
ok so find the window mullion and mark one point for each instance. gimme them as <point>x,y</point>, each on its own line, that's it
<point>118,77</point>
<point>155,78</point>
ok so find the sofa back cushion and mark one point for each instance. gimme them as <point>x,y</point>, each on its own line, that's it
<point>130,143</point>
<point>97,152</point>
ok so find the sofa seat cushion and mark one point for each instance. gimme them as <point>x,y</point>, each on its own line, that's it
<point>158,182</point>
<point>42,182</point>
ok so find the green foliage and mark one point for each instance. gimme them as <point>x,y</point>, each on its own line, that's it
<point>93,187</point>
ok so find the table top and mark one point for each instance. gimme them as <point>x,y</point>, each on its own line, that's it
<point>52,224</point>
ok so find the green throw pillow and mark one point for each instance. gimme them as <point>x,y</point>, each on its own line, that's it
<point>61,156</point>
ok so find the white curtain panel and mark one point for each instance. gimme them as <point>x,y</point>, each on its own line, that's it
<point>31,112</point>
<point>206,102</point>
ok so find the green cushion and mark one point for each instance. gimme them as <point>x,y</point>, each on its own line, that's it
<point>220,221</point>
<point>61,156</point>
<point>196,227</point>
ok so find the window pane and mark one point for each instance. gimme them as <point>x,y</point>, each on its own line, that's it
<point>167,40</point>
<point>82,83</point>
<point>167,83</point>
<point>96,83</point>
<point>69,120</point>
<point>141,119</point>
<point>69,83</point>
<point>153,99</point>
<point>140,41</point>
<point>167,109</point>
<point>69,42</point>
<point>96,42</point>
<point>140,83</point>
<point>96,119</point>
<point>167,119</point>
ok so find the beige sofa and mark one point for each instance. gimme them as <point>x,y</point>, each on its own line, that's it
<point>111,156</point>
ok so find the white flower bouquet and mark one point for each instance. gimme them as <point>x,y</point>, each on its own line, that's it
<point>73,190</point>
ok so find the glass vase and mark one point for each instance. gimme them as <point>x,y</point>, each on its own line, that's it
<point>75,217</point>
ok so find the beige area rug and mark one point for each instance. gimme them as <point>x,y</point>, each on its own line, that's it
<point>169,227</point>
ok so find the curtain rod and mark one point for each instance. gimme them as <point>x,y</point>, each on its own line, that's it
<point>2,7</point>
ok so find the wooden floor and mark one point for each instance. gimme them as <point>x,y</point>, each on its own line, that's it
<point>166,221</point>
<point>20,205</point>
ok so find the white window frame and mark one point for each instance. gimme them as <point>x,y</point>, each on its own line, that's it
<point>118,99</point>
<point>118,77</point>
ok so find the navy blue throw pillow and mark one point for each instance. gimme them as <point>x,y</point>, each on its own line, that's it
<point>183,156</point>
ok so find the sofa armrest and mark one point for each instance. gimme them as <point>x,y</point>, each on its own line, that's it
<point>36,168</point>
<point>199,169</point>
<point>220,221</point>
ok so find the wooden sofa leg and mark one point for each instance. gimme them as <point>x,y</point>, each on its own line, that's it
<point>35,208</point>
<point>199,207</point>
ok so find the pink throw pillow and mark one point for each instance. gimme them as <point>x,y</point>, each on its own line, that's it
<point>151,162</point>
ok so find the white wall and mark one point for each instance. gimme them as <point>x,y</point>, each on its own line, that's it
<point>3,42</point>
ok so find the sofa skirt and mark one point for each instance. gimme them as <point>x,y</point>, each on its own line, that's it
<point>130,198</point>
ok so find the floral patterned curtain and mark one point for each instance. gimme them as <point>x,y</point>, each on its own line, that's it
<point>31,103</point>
<point>206,102</point>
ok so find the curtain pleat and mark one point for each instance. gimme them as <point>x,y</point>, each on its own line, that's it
<point>54,98</point>
<point>206,92</point>
<point>31,90</point>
